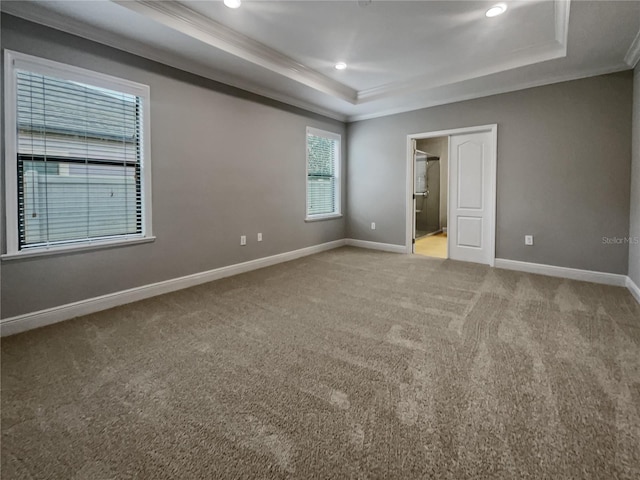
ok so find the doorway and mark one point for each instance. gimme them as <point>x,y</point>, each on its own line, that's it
<point>430,191</point>
<point>466,222</point>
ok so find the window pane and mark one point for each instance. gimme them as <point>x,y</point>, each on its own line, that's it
<point>79,150</point>
<point>321,154</point>
<point>322,185</point>
<point>64,202</point>
<point>320,195</point>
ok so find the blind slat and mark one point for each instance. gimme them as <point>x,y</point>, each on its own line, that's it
<point>96,193</point>
<point>322,185</point>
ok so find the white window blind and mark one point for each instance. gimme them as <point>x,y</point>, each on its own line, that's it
<point>79,154</point>
<point>323,167</point>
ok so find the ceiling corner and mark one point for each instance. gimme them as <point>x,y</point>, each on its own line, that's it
<point>633,54</point>
<point>562,11</point>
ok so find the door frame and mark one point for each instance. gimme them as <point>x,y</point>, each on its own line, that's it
<point>410,183</point>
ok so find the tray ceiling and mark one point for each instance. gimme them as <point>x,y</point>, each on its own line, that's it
<point>400,55</point>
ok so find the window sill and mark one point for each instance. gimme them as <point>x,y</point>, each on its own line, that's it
<point>98,245</point>
<point>319,218</point>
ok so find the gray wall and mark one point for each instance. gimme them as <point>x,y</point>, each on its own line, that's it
<point>564,161</point>
<point>634,245</point>
<point>439,146</point>
<point>224,163</point>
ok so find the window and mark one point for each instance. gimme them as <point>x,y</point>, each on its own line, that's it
<point>77,167</point>
<point>323,174</point>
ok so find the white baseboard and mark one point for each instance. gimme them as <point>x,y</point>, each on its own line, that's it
<point>444,229</point>
<point>563,272</point>
<point>28,321</point>
<point>385,247</point>
<point>633,288</point>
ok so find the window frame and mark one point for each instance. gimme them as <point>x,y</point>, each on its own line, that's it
<point>14,61</point>
<point>337,208</point>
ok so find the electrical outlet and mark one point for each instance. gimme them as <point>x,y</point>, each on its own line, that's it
<point>259,237</point>
<point>243,240</point>
<point>373,225</point>
<point>528,239</point>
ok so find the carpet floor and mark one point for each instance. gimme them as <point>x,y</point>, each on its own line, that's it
<point>346,364</point>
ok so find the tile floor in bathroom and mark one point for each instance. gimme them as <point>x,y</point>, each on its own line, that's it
<point>432,245</point>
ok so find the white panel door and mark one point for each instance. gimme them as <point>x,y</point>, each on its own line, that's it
<point>471,197</point>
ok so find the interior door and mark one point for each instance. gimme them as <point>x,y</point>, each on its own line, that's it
<point>471,197</point>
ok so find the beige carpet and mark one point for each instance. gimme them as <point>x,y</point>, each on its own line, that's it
<point>346,364</point>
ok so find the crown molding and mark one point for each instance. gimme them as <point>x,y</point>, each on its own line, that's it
<point>205,29</point>
<point>633,54</point>
<point>211,32</point>
<point>551,50</point>
<point>418,105</point>
<point>540,53</point>
<point>180,18</point>
<point>37,14</point>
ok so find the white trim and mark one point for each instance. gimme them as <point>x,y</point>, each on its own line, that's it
<point>563,272</point>
<point>488,92</point>
<point>550,50</point>
<point>385,247</point>
<point>317,132</point>
<point>28,321</point>
<point>36,13</point>
<point>542,53</point>
<point>11,147</point>
<point>320,218</point>
<point>337,200</point>
<point>198,26</point>
<point>633,54</point>
<point>16,60</point>
<point>44,66</point>
<point>409,187</point>
<point>633,288</point>
<point>77,247</point>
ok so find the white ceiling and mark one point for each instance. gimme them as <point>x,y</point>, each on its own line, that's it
<point>402,55</point>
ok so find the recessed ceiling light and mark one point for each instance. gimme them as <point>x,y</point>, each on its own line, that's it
<point>496,10</point>
<point>232,3</point>
<point>341,66</point>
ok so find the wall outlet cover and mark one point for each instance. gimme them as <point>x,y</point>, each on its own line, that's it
<point>243,240</point>
<point>259,237</point>
<point>373,225</point>
<point>528,239</point>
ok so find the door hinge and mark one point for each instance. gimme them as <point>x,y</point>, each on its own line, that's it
<point>413,241</point>
<point>414,196</point>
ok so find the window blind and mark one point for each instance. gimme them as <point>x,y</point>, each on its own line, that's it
<point>79,151</point>
<point>322,182</point>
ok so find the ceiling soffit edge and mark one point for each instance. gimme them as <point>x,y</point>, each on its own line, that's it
<point>207,30</point>
<point>42,16</point>
<point>203,28</point>
<point>551,50</point>
<point>633,54</point>
<point>585,73</point>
